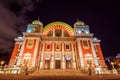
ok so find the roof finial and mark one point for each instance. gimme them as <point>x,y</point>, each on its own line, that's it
<point>38,18</point>
<point>78,19</point>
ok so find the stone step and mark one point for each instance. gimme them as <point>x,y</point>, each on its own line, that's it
<point>57,72</point>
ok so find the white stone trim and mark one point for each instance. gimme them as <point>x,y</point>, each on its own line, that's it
<point>21,53</point>
<point>80,53</point>
<point>52,64</point>
<point>63,57</point>
<point>85,47</point>
<point>35,51</point>
<point>53,32</point>
<point>94,53</point>
<point>42,57</point>
<point>62,33</point>
<point>73,56</point>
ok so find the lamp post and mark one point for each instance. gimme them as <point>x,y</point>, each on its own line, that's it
<point>112,65</point>
<point>113,69</point>
<point>1,64</point>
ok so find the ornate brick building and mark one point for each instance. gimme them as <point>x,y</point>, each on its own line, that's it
<point>57,46</point>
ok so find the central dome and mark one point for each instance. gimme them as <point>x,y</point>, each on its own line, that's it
<point>58,25</point>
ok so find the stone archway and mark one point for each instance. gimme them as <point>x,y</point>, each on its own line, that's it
<point>88,60</point>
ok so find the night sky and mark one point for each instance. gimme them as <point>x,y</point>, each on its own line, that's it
<point>101,15</point>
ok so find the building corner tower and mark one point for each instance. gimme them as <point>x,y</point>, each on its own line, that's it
<point>27,48</point>
<point>88,50</point>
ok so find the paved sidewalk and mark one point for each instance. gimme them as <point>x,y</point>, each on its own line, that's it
<point>59,75</point>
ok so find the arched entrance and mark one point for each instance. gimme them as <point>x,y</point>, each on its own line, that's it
<point>47,64</point>
<point>68,64</point>
<point>57,64</point>
<point>89,60</point>
<point>26,59</point>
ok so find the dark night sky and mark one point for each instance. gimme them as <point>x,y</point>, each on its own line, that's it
<point>101,15</point>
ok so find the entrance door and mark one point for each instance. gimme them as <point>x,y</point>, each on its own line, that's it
<point>57,64</point>
<point>68,64</point>
<point>47,64</point>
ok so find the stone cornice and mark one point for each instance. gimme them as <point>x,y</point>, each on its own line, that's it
<point>58,38</point>
<point>84,35</point>
<point>26,34</point>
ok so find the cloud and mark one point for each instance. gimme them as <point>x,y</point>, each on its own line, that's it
<point>7,29</point>
<point>13,21</point>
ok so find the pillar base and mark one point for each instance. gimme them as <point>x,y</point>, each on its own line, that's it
<point>52,65</point>
<point>63,65</point>
<point>74,65</point>
<point>41,65</point>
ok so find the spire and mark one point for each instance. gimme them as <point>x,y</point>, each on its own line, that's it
<point>38,18</point>
<point>79,23</point>
<point>78,19</point>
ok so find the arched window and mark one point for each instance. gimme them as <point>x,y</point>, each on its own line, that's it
<point>58,32</point>
<point>50,33</point>
<point>66,34</point>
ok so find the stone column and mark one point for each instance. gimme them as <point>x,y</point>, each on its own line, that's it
<point>35,52</point>
<point>42,57</point>
<point>20,59</point>
<point>62,33</point>
<point>52,63</point>
<point>63,58</point>
<point>53,32</point>
<point>95,60</point>
<point>73,58</point>
<point>81,60</point>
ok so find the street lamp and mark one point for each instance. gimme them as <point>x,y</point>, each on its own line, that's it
<point>2,62</point>
<point>114,70</point>
<point>100,70</point>
<point>112,65</point>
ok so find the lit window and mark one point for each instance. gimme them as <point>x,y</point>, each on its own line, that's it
<point>66,34</point>
<point>57,46</point>
<point>31,28</point>
<point>48,46</point>
<point>50,33</point>
<point>19,47</point>
<point>67,46</point>
<point>58,32</point>
<point>87,32</point>
<point>95,48</point>
<point>85,43</point>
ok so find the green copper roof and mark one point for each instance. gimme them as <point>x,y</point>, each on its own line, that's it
<point>37,22</point>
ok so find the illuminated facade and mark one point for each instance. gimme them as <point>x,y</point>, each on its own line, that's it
<point>57,46</point>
